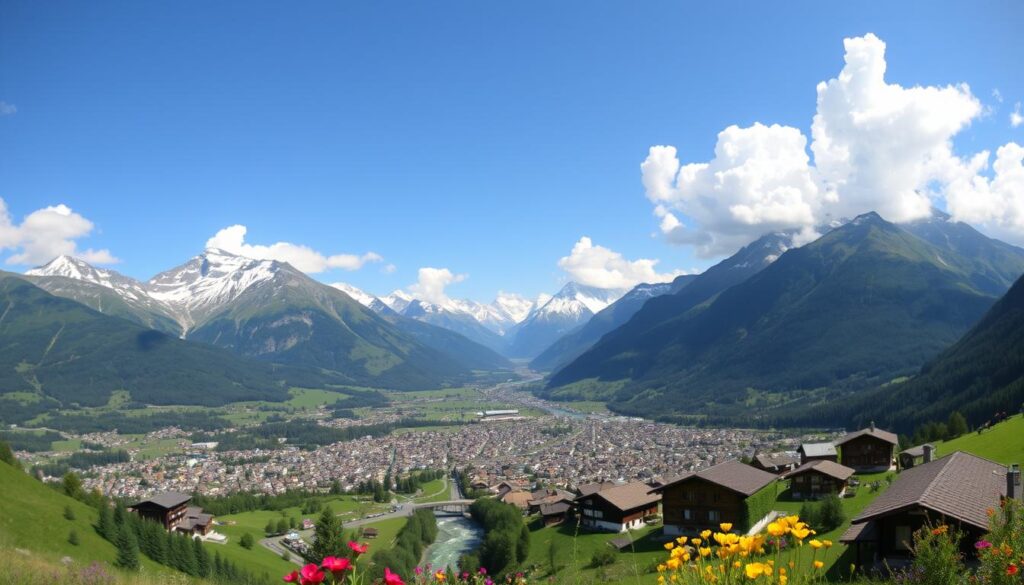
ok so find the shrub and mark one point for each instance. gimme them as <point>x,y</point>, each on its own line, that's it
<point>937,558</point>
<point>1001,552</point>
<point>603,557</point>
<point>830,514</point>
<point>247,541</point>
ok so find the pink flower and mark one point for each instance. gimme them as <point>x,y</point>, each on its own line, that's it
<point>982,544</point>
<point>389,577</point>
<point>356,547</point>
<point>337,566</point>
<point>292,577</point>
<point>311,575</point>
<point>419,570</point>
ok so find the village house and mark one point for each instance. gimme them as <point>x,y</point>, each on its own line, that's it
<point>915,456</point>
<point>172,510</point>
<point>777,463</point>
<point>817,452</point>
<point>956,490</point>
<point>817,479</point>
<point>703,500</point>
<point>868,450</point>
<point>618,508</point>
<point>518,498</point>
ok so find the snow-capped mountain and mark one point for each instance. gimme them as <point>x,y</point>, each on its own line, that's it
<point>364,298</point>
<point>70,267</point>
<point>197,289</point>
<point>572,307</point>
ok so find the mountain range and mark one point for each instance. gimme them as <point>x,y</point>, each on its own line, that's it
<point>866,303</point>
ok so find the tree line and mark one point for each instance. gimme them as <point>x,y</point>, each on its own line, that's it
<point>419,532</point>
<point>506,542</point>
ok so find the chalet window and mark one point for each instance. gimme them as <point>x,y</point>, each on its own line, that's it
<point>687,514</point>
<point>598,514</point>
<point>714,516</point>
<point>902,534</point>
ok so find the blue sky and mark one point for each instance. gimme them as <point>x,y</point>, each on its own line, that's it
<point>486,138</point>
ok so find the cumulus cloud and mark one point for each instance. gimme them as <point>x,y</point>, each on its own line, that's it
<point>232,239</point>
<point>7,109</point>
<point>47,233</point>
<point>597,266</point>
<point>877,146</point>
<point>432,282</point>
<point>1016,118</point>
<point>997,204</point>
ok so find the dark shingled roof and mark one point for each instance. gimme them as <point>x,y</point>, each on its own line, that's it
<point>864,532</point>
<point>874,432</point>
<point>629,496</point>
<point>732,474</point>
<point>554,509</point>
<point>960,486</point>
<point>589,489</point>
<point>167,500</point>
<point>829,468</point>
<point>776,459</point>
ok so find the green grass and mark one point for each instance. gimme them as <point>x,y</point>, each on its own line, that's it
<point>576,548</point>
<point>387,531</point>
<point>32,518</point>
<point>434,491</point>
<point>1003,443</point>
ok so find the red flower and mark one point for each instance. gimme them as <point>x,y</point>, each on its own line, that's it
<point>311,575</point>
<point>337,566</point>
<point>1011,569</point>
<point>292,577</point>
<point>389,577</point>
<point>356,547</point>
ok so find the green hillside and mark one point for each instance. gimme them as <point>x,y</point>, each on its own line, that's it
<point>55,352</point>
<point>32,518</point>
<point>1003,442</point>
<point>864,304</point>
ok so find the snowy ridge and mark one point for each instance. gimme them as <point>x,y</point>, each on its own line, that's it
<point>69,267</point>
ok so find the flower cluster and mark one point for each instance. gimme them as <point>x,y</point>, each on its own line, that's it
<point>1001,552</point>
<point>725,557</point>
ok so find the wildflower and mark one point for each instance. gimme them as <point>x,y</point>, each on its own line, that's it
<point>669,545</point>
<point>681,540</point>
<point>725,526</point>
<point>390,578</point>
<point>1012,569</point>
<point>356,547</point>
<point>337,566</point>
<point>705,534</point>
<point>982,544</point>
<point>940,530</point>
<point>776,529</point>
<point>292,577</point>
<point>827,543</point>
<point>818,564</point>
<point>311,575</point>
<point>697,541</point>
<point>704,551</point>
<point>440,576</point>
<point>816,544</point>
<point>755,570</point>
<point>672,564</point>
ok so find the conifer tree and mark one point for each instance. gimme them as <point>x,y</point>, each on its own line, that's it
<point>202,558</point>
<point>7,456</point>
<point>127,549</point>
<point>69,514</point>
<point>73,538</point>
<point>328,539</point>
<point>105,526</point>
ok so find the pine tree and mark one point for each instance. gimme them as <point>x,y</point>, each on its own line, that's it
<point>246,541</point>
<point>120,514</point>
<point>105,526</point>
<point>218,566</point>
<point>127,549</point>
<point>202,558</point>
<point>270,528</point>
<point>73,538</point>
<point>328,539</point>
<point>69,514</point>
<point>71,484</point>
<point>7,456</point>
<point>190,564</point>
<point>957,425</point>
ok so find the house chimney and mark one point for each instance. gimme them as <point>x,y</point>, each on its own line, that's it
<point>1013,487</point>
<point>927,453</point>
<point>872,426</point>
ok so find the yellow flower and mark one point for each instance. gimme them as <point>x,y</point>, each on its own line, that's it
<point>672,564</point>
<point>681,540</point>
<point>736,564</point>
<point>755,570</point>
<point>725,526</point>
<point>704,551</point>
<point>661,568</point>
<point>669,545</point>
<point>696,541</point>
<point>827,543</point>
<point>818,564</point>
<point>678,552</point>
<point>800,533</point>
<point>783,579</point>
<point>776,528</point>
<point>440,576</point>
<point>661,579</point>
<point>705,534</point>
<point>816,544</point>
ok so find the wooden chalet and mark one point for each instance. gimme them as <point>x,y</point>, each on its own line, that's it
<point>908,458</point>
<point>817,479</point>
<point>172,510</point>
<point>817,452</point>
<point>956,490</point>
<point>556,513</point>
<point>548,496</point>
<point>618,508</point>
<point>518,498</point>
<point>868,450</point>
<point>777,463</point>
<point>697,501</point>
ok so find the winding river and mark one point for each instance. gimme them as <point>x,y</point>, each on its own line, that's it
<point>455,537</point>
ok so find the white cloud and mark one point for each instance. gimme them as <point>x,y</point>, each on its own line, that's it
<point>600,267</point>
<point>432,282</point>
<point>997,204</point>
<point>7,109</point>
<point>997,95</point>
<point>47,233</point>
<point>232,239</point>
<point>388,268</point>
<point>877,146</point>
<point>1016,118</point>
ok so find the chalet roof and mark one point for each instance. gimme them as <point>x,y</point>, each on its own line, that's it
<point>819,449</point>
<point>166,500</point>
<point>917,451</point>
<point>554,509</point>
<point>826,467</point>
<point>629,496</point>
<point>520,498</point>
<point>589,489</point>
<point>863,532</point>
<point>776,459</point>
<point>961,486</point>
<point>621,542</point>
<point>871,432</point>
<point>734,475</point>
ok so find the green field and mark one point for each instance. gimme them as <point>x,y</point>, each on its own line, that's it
<point>1003,443</point>
<point>575,549</point>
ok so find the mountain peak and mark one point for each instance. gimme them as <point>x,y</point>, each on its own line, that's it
<point>870,217</point>
<point>63,265</point>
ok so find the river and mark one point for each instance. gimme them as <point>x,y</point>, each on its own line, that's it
<point>455,537</point>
